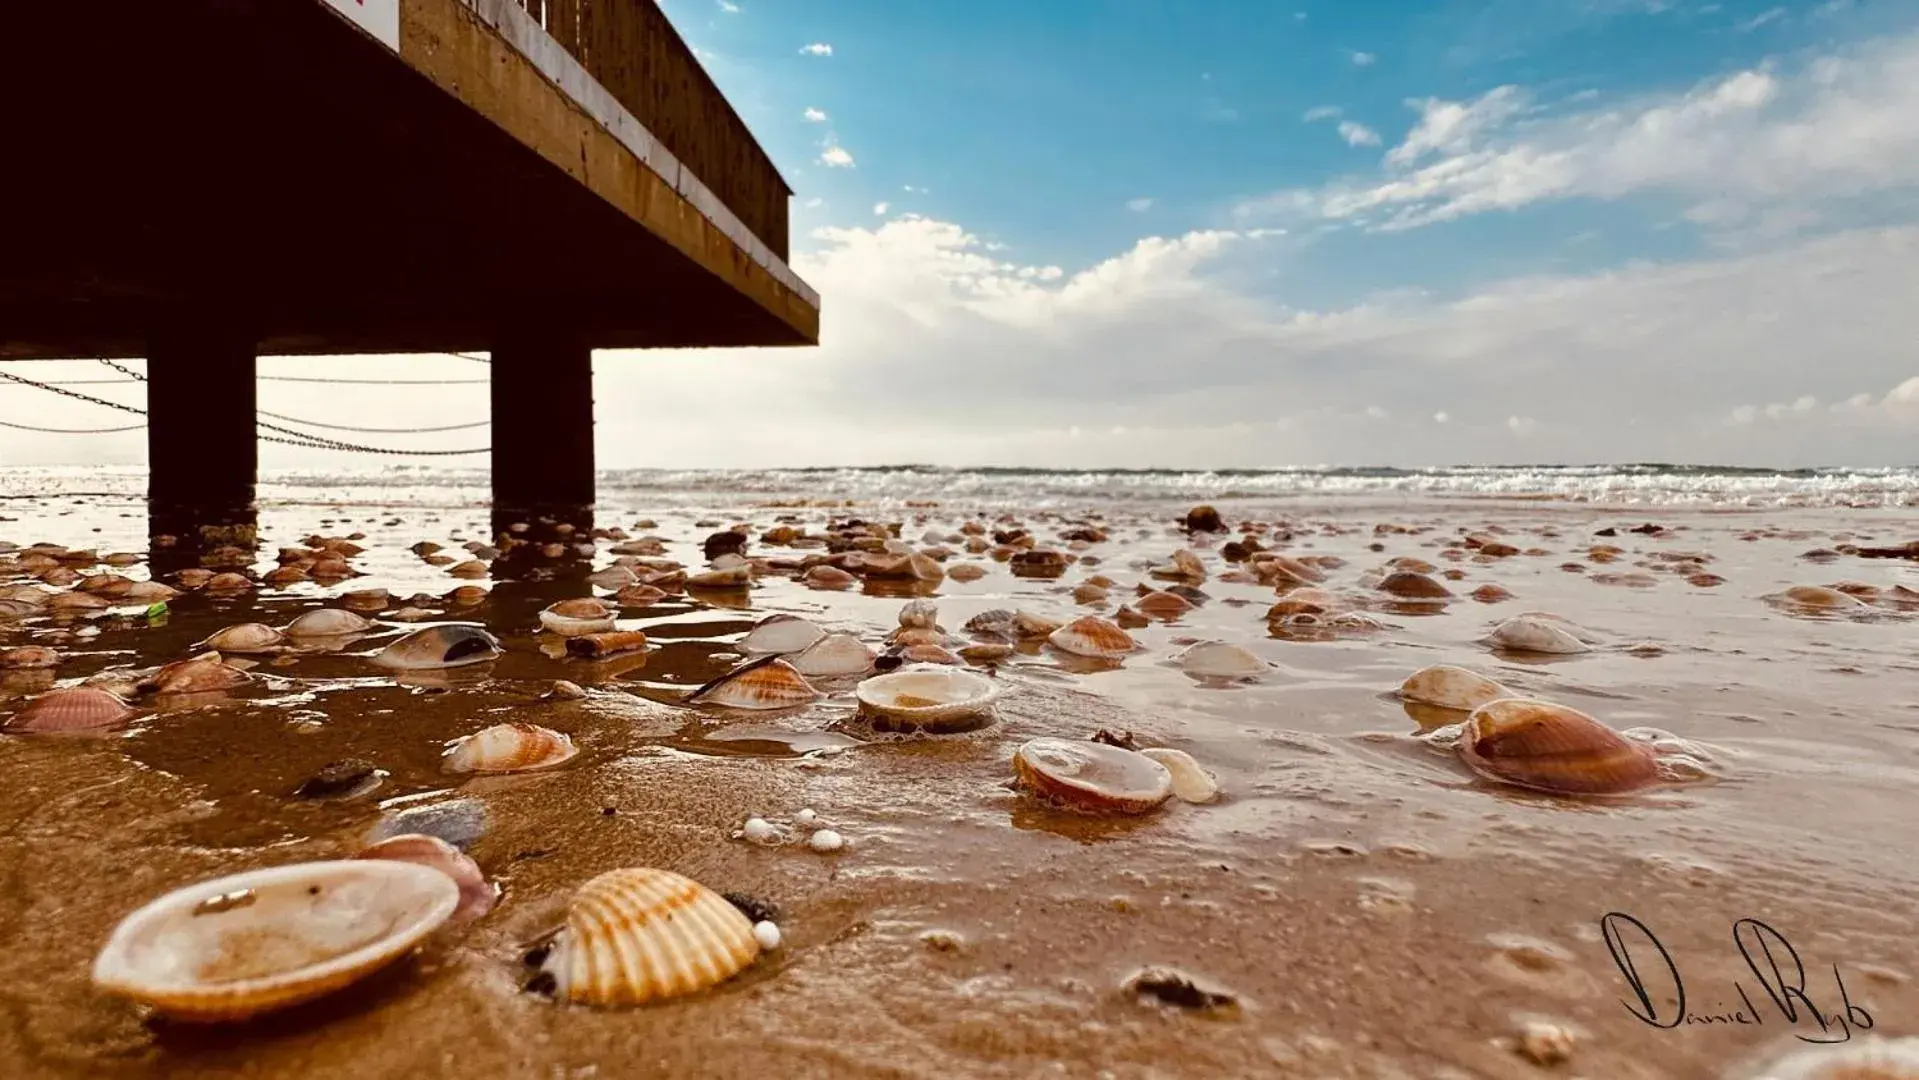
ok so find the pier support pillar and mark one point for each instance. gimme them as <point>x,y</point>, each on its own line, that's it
<point>542,454</point>
<point>201,451</point>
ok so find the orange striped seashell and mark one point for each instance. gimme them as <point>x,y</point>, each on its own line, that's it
<point>580,615</point>
<point>1092,636</point>
<point>74,708</point>
<point>511,747</point>
<point>1161,604</point>
<point>638,935</point>
<point>227,581</point>
<point>1412,586</point>
<point>1548,747</point>
<point>472,568</point>
<point>768,683</point>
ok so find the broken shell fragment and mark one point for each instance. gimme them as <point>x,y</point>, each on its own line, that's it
<point>1090,776</point>
<point>638,935</point>
<point>1190,782</point>
<point>1092,636</point>
<point>579,615</point>
<point>1450,687</point>
<point>769,683</point>
<point>238,946</point>
<point>1548,747</point>
<point>510,747</point>
<point>932,699</point>
<point>477,894</point>
<point>444,646</point>
<point>779,635</point>
<point>595,646</point>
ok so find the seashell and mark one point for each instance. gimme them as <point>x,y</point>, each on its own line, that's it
<point>967,572</point>
<point>1190,782</point>
<point>328,622</point>
<point>1088,593</point>
<point>1412,586</point>
<point>111,586</point>
<point>238,946</point>
<point>477,894</point>
<point>1221,660</point>
<point>611,643</point>
<point>73,708</point>
<point>199,675</point>
<point>827,577</point>
<point>638,935</point>
<point>193,577</point>
<point>284,575</point>
<point>1091,776</point>
<point>780,635</point>
<point>994,622</point>
<point>916,635</point>
<point>510,747</point>
<point>28,657</point>
<point>1038,562</point>
<point>471,568</point>
<point>1451,687</point>
<point>924,653</point>
<point>1815,598</point>
<point>1127,619</point>
<point>985,654</point>
<point>465,596</point>
<point>834,654</point>
<point>768,683</point>
<point>330,569</point>
<point>19,609</point>
<point>612,579</point>
<point>1184,566</point>
<point>931,699</point>
<point>459,822</point>
<point>739,577</point>
<point>923,567</point>
<point>1490,594</point>
<point>1093,636</point>
<point>1162,605</point>
<point>1869,1057</point>
<point>638,596</point>
<point>77,601</point>
<point>920,614</point>
<point>1548,747</point>
<point>1028,625</point>
<point>225,582</point>
<point>580,615</point>
<point>444,646</point>
<point>1531,633</point>
<point>376,599</point>
<point>60,576</point>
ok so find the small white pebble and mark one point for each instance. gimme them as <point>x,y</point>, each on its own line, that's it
<point>767,934</point>
<point>825,841</point>
<point>760,831</point>
<point>805,817</point>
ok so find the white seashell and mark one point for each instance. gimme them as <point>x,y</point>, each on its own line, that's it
<point>767,934</point>
<point>580,615</point>
<point>931,698</point>
<point>328,622</point>
<point>1451,687</point>
<point>834,654</point>
<point>780,635</point>
<point>760,831</point>
<point>1532,633</point>
<point>449,645</point>
<point>511,747</point>
<point>1870,1057</point>
<point>638,935</point>
<point>920,614</point>
<point>826,841</point>
<point>1190,782</point>
<point>1221,660</point>
<point>239,946</point>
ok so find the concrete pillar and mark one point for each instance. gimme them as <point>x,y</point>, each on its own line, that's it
<point>542,425</point>
<point>201,450</point>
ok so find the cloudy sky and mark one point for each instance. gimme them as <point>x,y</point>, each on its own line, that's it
<point>1196,233</point>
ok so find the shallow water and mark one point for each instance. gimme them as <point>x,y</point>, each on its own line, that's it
<point>1376,909</point>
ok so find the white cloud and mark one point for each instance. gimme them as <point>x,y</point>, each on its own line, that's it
<point>818,48</point>
<point>1362,59</point>
<point>1139,205</point>
<point>880,208</point>
<point>1770,15</point>
<point>729,7</point>
<point>814,203</point>
<point>814,116</point>
<point>1321,112</point>
<point>836,156</point>
<point>1837,127</point>
<point>1357,134</point>
<point>1440,417</point>
<point>1897,407</point>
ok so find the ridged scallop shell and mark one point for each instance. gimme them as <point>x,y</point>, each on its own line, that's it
<point>510,747</point>
<point>1161,604</point>
<point>1450,687</point>
<point>638,935</point>
<point>246,638</point>
<point>477,894</point>
<point>771,683</point>
<point>1092,776</point>
<point>1532,633</point>
<point>834,654</point>
<point>739,577</point>
<point>73,708</point>
<point>779,635</point>
<point>1548,747</point>
<point>328,622</point>
<point>450,645</point>
<point>1221,660</point>
<point>199,675</point>
<point>1092,636</point>
<point>1191,783</point>
<point>238,946</point>
<point>934,699</point>
<point>579,615</point>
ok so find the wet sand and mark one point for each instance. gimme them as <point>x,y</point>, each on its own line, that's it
<point>1376,910</point>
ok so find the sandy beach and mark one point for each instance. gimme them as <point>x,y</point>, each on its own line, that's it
<point>1363,903</point>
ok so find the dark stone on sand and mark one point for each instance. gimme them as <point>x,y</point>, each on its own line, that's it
<point>1239,550</point>
<point>753,907</point>
<point>1908,550</point>
<point>1607,531</point>
<point>1124,740</point>
<point>336,778</point>
<point>1204,519</point>
<point>1038,562</point>
<point>1172,987</point>
<point>724,543</point>
<point>1648,529</point>
<point>1009,536</point>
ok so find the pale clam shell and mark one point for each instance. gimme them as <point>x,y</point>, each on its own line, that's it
<point>1191,783</point>
<point>1868,1057</point>
<point>827,577</point>
<point>638,935</point>
<point>238,946</point>
<point>73,708</point>
<point>579,615</point>
<point>328,622</point>
<point>738,577</point>
<point>1816,598</point>
<point>771,683</point>
<point>510,747</point>
<point>1092,776</point>
<point>919,614</point>
<point>834,654</point>
<point>931,698</point>
<point>1535,634</point>
<point>1092,636</point>
<point>1221,660</point>
<point>1450,687</point>
<point>1549,747</point>
<point>246,638</point>
<point>444,646</point>
<point>477,894</point>
<point>779,635</point>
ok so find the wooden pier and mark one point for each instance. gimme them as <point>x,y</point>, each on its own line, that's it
<point>200,182</point>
